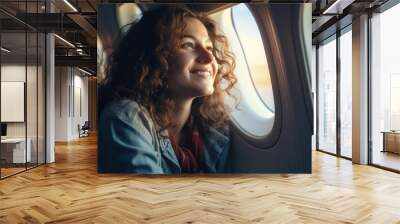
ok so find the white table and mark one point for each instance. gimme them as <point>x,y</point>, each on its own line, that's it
<point>17,145</point>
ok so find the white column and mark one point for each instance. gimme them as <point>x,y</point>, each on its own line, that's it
<point>360,90</point>
<point>50,93</point>
<point>63,99</point>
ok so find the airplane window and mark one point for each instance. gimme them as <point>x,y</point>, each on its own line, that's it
<point>128,14</point>
<point>254,115</point>
<point>253,48</point>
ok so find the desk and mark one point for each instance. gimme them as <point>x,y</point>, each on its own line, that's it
<point>13,150</point>
<point>391,141</point>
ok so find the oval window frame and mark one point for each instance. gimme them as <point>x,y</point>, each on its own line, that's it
<point>275,64</point>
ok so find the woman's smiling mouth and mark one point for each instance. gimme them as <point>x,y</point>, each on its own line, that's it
<point>202,73</point>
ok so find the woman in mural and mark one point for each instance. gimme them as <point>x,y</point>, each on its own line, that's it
<point>162,102</point>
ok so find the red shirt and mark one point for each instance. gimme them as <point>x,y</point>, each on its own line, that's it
<point>191,154</point>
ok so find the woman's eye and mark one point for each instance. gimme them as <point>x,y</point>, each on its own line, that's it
<point>187,46</point>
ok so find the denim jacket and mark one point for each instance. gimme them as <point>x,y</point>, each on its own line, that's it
<point>129,143</point>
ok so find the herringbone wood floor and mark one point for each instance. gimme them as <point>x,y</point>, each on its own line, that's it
<point>71,191</point>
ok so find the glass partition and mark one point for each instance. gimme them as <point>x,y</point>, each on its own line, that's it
<point>13,90</point>
<point>22,90</point>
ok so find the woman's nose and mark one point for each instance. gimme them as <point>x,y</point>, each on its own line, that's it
<point>205,55</point>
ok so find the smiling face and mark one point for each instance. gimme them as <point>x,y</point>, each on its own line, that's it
<point>192,66</point>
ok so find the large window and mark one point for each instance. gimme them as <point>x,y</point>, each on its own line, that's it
<point>330,68</point>
<point>327,96</point>
<point>346,93</point>
<point>385,87</point>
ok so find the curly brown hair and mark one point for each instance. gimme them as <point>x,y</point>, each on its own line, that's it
<point>138,68</point>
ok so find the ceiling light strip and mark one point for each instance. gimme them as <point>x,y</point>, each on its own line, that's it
<point>84,71</point>
<point>337,7</point>
<point>65,41</point>
<point>70,5</point>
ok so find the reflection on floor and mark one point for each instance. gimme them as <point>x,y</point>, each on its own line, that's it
<point>10,169</point>
<point>346,152</point>
<point>386,159</point>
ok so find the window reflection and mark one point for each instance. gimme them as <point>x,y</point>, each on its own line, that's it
<point>253,48</point>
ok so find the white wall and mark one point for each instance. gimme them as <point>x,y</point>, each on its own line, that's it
<point>33,126</point>
<point>71,94</point>
<point>62,81</point>
<point>81,82</point>
<point>12,73</point>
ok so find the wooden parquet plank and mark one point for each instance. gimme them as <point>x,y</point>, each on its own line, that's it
<point>71,191</point>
